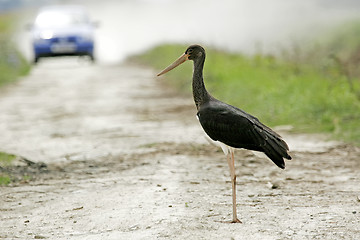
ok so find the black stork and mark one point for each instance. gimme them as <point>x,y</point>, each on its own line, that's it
<point>229,125</point>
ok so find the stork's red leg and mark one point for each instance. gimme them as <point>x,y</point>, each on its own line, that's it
<point>231,163</point>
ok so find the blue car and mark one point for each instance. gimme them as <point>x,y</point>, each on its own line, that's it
<point>63,31</point>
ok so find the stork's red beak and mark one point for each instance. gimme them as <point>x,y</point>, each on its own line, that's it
<point>178,61</point>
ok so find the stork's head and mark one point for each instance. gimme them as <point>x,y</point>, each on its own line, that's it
<point>193,52</point>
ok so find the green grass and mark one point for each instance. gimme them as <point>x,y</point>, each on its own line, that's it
<point>5,160</point>
<point>12,63</point>
<point>12,66</point>
<point>4,179</point>
<point>311,93</point>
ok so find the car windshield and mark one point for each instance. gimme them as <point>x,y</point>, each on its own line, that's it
<point>60,19</point>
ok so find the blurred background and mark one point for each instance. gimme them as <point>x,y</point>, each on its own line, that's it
<point>288,62</point>
<point>131,26</point>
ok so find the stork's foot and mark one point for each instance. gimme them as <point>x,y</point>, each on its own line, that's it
<point>236,221</point>
<point>233,221</point>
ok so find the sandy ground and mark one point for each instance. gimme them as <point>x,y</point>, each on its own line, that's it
<point>125,158</point>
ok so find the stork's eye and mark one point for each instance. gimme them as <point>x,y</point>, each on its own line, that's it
<point>190,51</point>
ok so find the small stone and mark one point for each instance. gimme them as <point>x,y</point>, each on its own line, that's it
<point>272,185</point>
<point>133,228</point>
<point>39,237</point>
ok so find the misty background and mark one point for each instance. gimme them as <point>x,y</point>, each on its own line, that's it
<point>132,26</point>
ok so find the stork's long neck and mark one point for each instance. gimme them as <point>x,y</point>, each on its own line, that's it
<point>200,93</point>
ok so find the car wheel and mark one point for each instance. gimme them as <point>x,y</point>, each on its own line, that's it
<point>36,59</point>
<point>92,58</point>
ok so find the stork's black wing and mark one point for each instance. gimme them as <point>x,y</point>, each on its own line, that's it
<point>236,128</point>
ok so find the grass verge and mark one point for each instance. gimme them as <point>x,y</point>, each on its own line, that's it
<point>5,161</point>
<point>12,63</point>
<point>315,91</point>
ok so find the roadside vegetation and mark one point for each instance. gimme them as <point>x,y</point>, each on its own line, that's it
<point>313,89</point>
<point>12,63</point>
<point>12,66</point>
<point>5,161</point>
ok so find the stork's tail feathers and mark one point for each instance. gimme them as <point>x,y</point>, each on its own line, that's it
<point>275,148</point>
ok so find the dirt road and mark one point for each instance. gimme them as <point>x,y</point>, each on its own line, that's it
<point>126,159</point>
